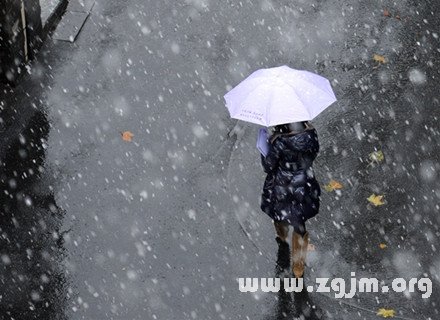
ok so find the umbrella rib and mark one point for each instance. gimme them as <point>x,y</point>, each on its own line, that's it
<point>316,87</point>
<point>298,99</point>
<point>268,104</point>
<point>332,95</point>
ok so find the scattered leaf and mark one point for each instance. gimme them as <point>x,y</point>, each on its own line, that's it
<point>386,13</point>
<point>397,17</point>
<point>379,58</point>
<point>382,245</point>
<point>376,156</point>
<point>311,247</point>
<point>333,185</point>
<point>376,199</point>
<point>386,313</point>
<point>127,136</point>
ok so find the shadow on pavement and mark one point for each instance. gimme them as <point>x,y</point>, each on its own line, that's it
<point>31,281</point>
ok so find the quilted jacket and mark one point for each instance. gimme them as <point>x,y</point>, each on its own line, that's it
<point>291,190</point>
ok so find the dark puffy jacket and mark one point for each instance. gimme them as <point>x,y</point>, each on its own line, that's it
<point>291,190</point>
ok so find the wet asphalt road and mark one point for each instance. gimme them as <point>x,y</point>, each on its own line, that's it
<point>94,227</point>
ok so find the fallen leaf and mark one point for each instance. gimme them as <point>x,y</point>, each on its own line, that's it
<point>386,313</point>
<point>379,58</point>
<point>382,245</point>
<point>333,185</point>
<point>127,136</point>
<point>376,156</point>
<point>376,199</point>
<point>397,17</point>
<point>311,247</point>
<point>386,13</point>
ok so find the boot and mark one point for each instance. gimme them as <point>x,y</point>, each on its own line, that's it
<point>299,253</point>
<point>282,230</point>
<point>283,259</point>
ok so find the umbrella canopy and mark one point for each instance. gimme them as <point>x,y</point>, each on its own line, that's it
<point>279,95</point>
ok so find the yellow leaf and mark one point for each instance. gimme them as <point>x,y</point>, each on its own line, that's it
<point>379,58</point>
<point>376,156</point>
<point>382,245</point>
<point>333,185</point>
<point>386,313</point>
<point>127,136</point>
<point>376,199</point>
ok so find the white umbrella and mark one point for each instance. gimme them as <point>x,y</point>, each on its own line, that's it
<point>279,95</point>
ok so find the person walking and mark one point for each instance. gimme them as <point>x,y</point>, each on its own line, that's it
<point>291,193</point>
<point>285,99</point>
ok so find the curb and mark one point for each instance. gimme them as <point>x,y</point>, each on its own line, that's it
<point>53,19</point>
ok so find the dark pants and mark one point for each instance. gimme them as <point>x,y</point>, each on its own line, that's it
<point>299,225</point>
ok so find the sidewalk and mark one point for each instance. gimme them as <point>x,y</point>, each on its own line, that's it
<point>161,226</point>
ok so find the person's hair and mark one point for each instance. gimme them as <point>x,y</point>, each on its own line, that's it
<point>282,128</point>
<point>286,128</point>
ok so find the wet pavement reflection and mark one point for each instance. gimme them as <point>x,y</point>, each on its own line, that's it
<point>32,283</point>
<point>291,305</point>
